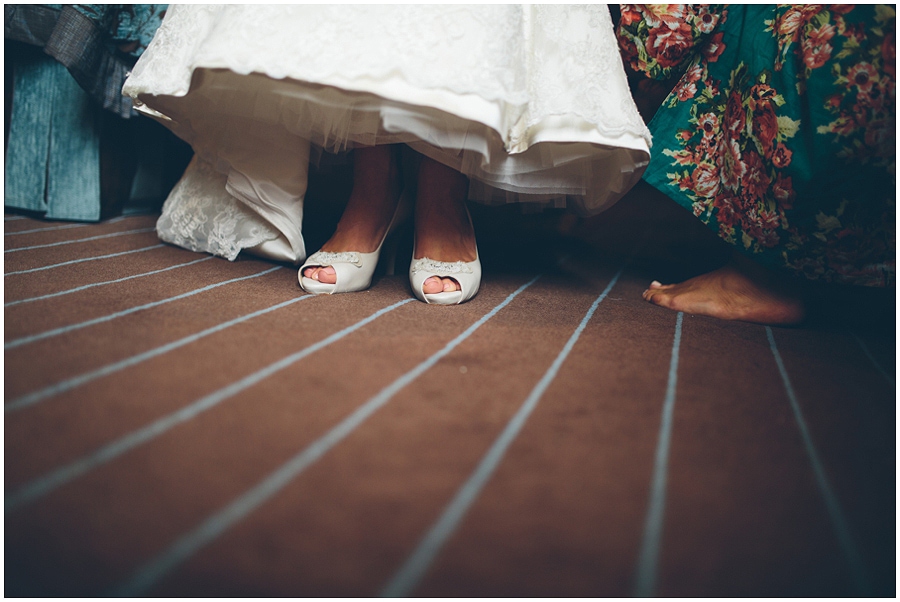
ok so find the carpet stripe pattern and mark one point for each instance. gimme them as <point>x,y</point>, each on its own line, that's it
<point>177,424</point>
<point>649,557</point>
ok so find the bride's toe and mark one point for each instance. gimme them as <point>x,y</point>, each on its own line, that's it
<point>326,275</point>
<point>433,285</point>
<point>436,284</point>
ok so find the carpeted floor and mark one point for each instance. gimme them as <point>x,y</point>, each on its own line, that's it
<point>180,425</point>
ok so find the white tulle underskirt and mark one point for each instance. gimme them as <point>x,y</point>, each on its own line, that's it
<point>563,156</point>
<point>528,140</point>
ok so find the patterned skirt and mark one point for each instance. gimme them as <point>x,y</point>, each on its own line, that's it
<point>779,132</point>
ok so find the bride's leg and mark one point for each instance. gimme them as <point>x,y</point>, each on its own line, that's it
<point>443,228</point>
<point>369,210</point>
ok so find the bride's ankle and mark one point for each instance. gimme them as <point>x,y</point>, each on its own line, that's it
<point>444,230</point>
<point>446,240</point>
<point>372,207</point>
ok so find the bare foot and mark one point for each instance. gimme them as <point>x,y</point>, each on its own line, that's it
<point>369,210</point>
<point>443,229</point>
<point>733,292</point>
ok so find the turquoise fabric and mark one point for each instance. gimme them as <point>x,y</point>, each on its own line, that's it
<point>70,62</point>
<point>780,131</point>
<point>53,153</point>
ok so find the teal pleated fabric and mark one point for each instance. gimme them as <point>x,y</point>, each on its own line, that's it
<point>69,64</point>
<point>53,152</point>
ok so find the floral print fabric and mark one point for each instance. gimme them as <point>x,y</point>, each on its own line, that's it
<point>780,131</point>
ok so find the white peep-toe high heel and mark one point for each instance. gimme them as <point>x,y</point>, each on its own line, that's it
<point>353,270</point>
<point>467,274</point>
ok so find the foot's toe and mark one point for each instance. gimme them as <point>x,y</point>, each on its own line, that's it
<point>327,275</point>
<point>310,272</point>
<point>433,285</point>
<point>450,285</point>
<point>732,293</point>
<point>657,285</point>
<point>658,297</point>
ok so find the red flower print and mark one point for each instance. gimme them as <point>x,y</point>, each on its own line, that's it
<point>811,10</point>
<point>630,14</point>
<point>789,23</point>
<point>629,52</point>
<point>755,181</point>
<point>770,220</point>
<point>816,49</point>
<point>760,224</point>
<point>862,75</point>
<point>748,219</point>
<point>768,238</point>
<point>705,20</point>
<point>819,36</point>
<point>855,32</point>
<point>686,91</point>
<point>873,99</point>
<point>684,157</point>
<point>782,156</point>
<point>834,101</point>
<point>669,46</point>
<point>783,191</point>
<point>735,118</point>
<point>693,74</point>
<point>705,180</point>
<point>765,128</point>
<point>816,56</point>
<point>725,214</point>
<point>889,54</point>
<point>761,95</point>
<point>709,124</point>
<point>669,15</point>
<point>844,125</point>
<point>728,160</point>
<point>713,48</point>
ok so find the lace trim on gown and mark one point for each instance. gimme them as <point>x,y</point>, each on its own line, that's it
<point>201,216</point>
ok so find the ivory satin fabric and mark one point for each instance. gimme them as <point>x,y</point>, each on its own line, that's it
<point>531,102</point>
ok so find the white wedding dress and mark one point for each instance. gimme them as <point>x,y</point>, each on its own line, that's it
<point>531,102</point>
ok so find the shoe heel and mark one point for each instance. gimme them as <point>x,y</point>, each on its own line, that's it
<point>355,270</point>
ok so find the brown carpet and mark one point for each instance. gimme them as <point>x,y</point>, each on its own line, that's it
<point>194,427</point>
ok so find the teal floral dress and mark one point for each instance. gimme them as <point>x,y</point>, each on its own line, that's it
<point>779,131</point>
